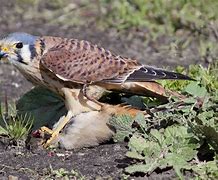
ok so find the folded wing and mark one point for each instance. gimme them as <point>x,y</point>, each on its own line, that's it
<point>82,62</point>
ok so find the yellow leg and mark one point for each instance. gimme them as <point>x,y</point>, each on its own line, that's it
<point>76,104</point>
<point>55,132</point>
<point>45,129</point>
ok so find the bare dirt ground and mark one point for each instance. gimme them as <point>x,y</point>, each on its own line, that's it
<point>105,161</point>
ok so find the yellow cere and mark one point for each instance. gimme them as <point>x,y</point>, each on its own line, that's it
<point>5,49</point>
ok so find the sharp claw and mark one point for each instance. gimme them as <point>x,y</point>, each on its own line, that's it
<point>48,135</point>
<point>50,140</point>
<point>46,130</point>
<point>53,134</point>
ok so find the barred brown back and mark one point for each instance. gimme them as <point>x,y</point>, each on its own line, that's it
<point>83,62</point>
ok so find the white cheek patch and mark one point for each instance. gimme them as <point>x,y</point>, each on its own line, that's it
<point>12,58</point>
<point>25,53</point>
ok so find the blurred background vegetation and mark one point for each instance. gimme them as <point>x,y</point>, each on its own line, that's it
<point>183,21</point>
<point>160,16</point>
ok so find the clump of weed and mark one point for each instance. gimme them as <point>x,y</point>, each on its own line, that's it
<point>15,127</point>
<point>205,76</point>
<point>160,16</point>
<point>63,173</point>
<point>182,134</point>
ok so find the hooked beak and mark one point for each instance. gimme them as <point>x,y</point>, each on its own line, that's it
<point>2,55</point>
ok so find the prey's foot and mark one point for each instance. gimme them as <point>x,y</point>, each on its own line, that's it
<point>48,135</point>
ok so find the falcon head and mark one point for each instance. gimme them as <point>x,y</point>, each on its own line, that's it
<point>17,48</point>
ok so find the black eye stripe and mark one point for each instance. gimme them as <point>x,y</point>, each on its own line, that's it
<point>19,45</point>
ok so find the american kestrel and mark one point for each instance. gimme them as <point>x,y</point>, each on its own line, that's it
<point>70,66</point>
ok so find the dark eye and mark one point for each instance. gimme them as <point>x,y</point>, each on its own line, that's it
<point>19,45</point>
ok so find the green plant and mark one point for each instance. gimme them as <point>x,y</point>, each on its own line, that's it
<point>205,76</point>
<point>180,134</point>
<point>16,127</point>
<point>160,16</point>
<point>65,174</point>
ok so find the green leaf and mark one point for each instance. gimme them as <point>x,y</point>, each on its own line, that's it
<point>123,126</point>
<point>187,153</point>
<point>152,151</point>
<point>144,168</point>
<point>140,119</point>
<point>121,135</point>
<point>178,163</point>
<point>206,170</point>
<point>134,155</point>
<point>157,136</point>
<point>135,101</point>
<point>45,106</point>
<point>195,90</point>
<point>137,143</point>
<point>175,134</point>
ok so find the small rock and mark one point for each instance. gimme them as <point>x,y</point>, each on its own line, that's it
<point>11,177</point>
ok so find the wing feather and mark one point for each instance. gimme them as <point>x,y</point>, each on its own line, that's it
<point>146,73</point>
<point>83,62</point>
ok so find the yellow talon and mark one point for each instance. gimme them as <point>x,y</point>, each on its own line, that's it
<point>53,134</point>
<point>46,130</point>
